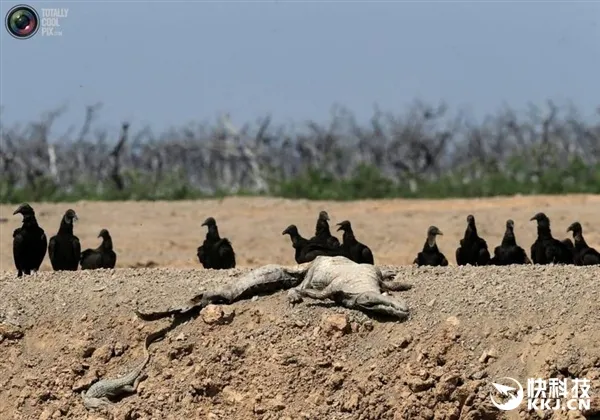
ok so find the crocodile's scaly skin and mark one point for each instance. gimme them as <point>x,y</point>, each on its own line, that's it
<point>263,280</point>
<point>99,393</point>
<point>355,286</point>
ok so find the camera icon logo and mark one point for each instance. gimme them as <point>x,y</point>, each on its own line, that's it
<point>22,21</point>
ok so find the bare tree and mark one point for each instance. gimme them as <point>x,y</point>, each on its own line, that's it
<point>422,145</point>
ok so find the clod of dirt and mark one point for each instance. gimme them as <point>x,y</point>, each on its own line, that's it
<point>215,314</point>
<point>10,332</point>
<point>337,324</point>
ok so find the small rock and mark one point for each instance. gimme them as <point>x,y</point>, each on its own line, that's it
<point>289,359</point>
<point>87,351</point>
<point>46,414</point>
<point>11,332</point>
<point>259,409</point>
<point>368,324</point>
<point>488,354</point>
<point>538,340</point>
<point>231,395</point>
<point>104,353</point>
<point>420,385</point>
<point>479,375</point>
<point>452,320</point>
<point>405,341</point>
<point>351,403</point>
<point>336,381</point>
<point>324,363</point>
<point>120,349</point>
<point>276,404</point>
<point>180,350</point>
<point>431,302</point>
<point>575,415</point>
<point>427,414</point>
<point>336,324</point>
<point>84,383</point>
<point>214,314</point>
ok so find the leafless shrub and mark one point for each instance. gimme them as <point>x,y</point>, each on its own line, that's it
<point>425,143</point>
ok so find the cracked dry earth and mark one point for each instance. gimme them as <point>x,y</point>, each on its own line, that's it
<point>264,359</point>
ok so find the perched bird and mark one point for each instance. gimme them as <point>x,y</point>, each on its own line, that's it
<point>546,249</point>
<point>102,257</point>
<point>583,253</point>
<point>64,248</point>
<point>29,242</point>
<point>322,232</point>
<point>351,248</point>
<point>307,250</point>
<point>431,255</point>
<point>215,252</point>
<point>508,252</point>
<point>473,249</point>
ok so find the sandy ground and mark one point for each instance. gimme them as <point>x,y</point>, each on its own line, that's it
<point>166,234</point>
<point>59,332</point>
<point>266,359</point>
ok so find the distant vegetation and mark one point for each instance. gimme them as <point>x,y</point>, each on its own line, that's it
<point>424,152</point>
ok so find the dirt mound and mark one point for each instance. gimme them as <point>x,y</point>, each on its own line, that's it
<point>262,358</point>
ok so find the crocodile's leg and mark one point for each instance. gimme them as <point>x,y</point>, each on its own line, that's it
<point>394,286</point>
<point>381,304</point>
<point>95,402</point>
<point>132,389</point>
<point>340,297</point>
<point>315,294</point>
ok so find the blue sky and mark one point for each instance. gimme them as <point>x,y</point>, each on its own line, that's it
<point>169,63</point>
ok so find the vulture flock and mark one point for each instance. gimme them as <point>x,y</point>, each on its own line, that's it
<point>64,249</point>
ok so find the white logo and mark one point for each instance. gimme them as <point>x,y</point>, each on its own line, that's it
<point>544,394</point>
<point>515,398</point>
<point>51,19</point>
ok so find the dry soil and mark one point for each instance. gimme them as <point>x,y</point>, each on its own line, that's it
<point>265,359</point>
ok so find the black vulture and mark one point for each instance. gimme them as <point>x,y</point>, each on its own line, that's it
<point>307,250</point>
<point>351,248</point>
<point>473,249</point>
<point>509,252</point>
<point>29,242</point>
<point>322,233</point>
<point>215,252</point>
<point>102,257</point>
<point>64,248</point>
<point>546,249</point>
<point>431,255</point>
<point>583,253</point>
